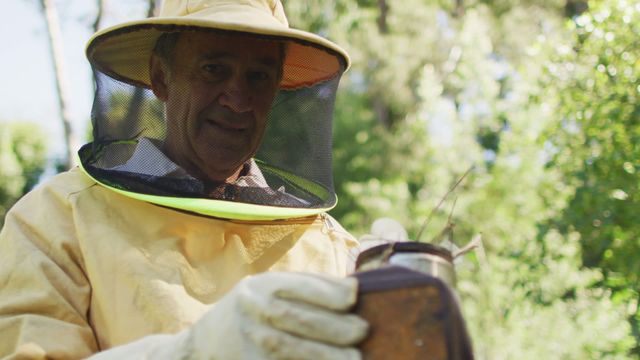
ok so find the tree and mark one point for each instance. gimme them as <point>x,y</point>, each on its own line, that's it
<point>55,46</point>
<point>23,159</point>
<point>463,85</point>
<point>596,144</point>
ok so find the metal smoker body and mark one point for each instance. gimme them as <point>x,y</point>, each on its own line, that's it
<point>407,295</point>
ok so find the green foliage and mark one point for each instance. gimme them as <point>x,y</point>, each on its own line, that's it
<point>22,158</point>
<point>128,107</point>
<point>531,303</point>
<point>597,143</point>
<point>440,89</point>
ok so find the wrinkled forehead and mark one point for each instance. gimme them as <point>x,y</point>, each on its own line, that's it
<point>199,45</point>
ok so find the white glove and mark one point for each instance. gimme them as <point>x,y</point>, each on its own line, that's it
<point>383,231</point>
<point>280,316</point>
<point>267,316</point>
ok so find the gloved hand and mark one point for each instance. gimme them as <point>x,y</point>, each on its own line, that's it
<point>280,316</point>
<point>383,231</point>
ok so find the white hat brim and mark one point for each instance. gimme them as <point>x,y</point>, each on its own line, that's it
<point>123,51</point>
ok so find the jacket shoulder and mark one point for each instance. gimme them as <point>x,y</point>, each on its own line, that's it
<point>70,182</point>
<point>66,183</point>
<point>54,190</point>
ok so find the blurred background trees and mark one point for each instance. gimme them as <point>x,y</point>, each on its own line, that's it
<point>504,87</point>
<point>540,99</point>
<point>596,144</point>
<point>23,158</point>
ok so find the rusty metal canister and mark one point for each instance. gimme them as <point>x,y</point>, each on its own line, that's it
<point>406,294</point>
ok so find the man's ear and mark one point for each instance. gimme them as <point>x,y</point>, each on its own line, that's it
<point>158,75</point>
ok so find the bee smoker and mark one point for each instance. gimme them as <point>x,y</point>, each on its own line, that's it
<point>406,294</point>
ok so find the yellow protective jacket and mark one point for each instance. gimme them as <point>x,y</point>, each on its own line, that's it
<point>84,269</point>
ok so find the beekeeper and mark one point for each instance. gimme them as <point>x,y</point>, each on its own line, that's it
<point>195,226</point>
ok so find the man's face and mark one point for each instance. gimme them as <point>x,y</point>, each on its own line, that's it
<point>218,91</point>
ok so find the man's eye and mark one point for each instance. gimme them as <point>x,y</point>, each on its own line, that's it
<point>213,68</point>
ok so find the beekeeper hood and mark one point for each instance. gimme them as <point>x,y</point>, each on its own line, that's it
<point>216,107</point>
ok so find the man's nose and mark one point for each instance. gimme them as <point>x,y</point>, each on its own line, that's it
<point>236,96</point>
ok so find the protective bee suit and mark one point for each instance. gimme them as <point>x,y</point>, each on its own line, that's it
<point>133,256</point>
<point>72,285</point>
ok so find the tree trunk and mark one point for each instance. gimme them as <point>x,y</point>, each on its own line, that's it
<point>382,19</point>
<point>575,7</point>
<point>137,99</point>
<point>97,24</point>
<point>380,105</point>
<point>55,42</point>
<point>98,21</point>
<point>458,11</point>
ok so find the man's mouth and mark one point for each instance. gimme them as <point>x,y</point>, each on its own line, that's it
<point>227,125</point>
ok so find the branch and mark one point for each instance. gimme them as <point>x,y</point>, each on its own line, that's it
<point>428,219</point>
<point>99,15</point>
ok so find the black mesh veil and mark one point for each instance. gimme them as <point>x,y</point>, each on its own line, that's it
<point>292,167</point>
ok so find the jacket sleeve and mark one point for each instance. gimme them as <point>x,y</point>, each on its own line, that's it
<point>44,293</point>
